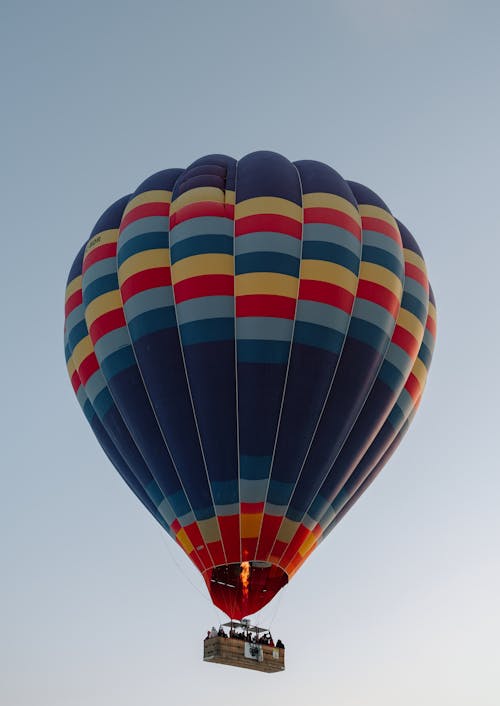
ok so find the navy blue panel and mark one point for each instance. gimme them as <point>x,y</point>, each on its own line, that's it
<point>357,369</point>
<point>111,217</point>
<point>201,244</point>
<point>366,196</point>
<point>260,390</point>
<point>319,177</point>
<point>213,387</point>
<point>267,262</point>
<point>310,374</point>
<point>130,396</point>
<point>267,174</point>
<point>162,367</point>
<point>163,180</point>
<point>76,267</point>
<point>331,252</point>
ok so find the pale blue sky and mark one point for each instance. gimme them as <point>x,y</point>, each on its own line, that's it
<point>400,605</point>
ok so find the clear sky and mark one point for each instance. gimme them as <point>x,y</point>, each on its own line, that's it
<point>400,605</point>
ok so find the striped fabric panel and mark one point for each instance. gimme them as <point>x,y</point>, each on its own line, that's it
<point>373,319</point>
<point>268,245</point>
<point>399,360</point>
<point>99,408</point>
<point>145,285</point>
<point>202,270</point>
<point>383,446</point>
<point>110,338</point>
<point>328,279</point>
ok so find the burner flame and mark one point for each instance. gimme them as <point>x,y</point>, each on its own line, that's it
<point>245,577</point>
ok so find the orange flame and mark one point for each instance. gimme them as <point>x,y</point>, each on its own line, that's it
<point>245,577</point>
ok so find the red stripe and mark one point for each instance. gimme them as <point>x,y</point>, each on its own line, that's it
<point>248,548</point>
<point>265,305</point>
<point>109,321</point>
<point>268,222</point>
<point>102,252</point>
<point>278,549</point>
<point>230,533</point>
<point>413,386</point>
<point>216,550</point>
<point>251,508</point>
<point>87,368</point>
<point>176,526</point>
<point>430,325</point>
<point>200,209</point>
<point>204,286</point>
<point>72,302</point>
<point>146,279</point>
<point>332,217</point>
<point>269,530</point>
<point>405,340</point>
<point>326,293</point>
<point>146,210</point>
<point>380,226</point>
<point>75,381</point>
<point>300,536</point>
<point>416,273</point>
<point>378,294</point>
<point>194,558</point>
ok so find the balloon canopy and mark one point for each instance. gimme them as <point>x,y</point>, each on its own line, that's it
<point>249,341</point>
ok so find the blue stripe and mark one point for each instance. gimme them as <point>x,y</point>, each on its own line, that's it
<point>318,336</point>
<point>151,321</point>
<point>208,330</point>
<point>118,361</point>
<point>267,262</point>
<point>140,243</point>
<point>330,252</point>
<point>391,376</point>
<point>414,306</point>
<point>254,467</point>
<point>367,333</point>
<point>201,245</point>
<point>263,351</point>
<point>102,285</point>
<point>384,259</point>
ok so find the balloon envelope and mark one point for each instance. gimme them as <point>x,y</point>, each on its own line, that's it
<point>249,342</point>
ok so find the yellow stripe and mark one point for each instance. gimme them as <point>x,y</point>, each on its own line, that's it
<point>377,212</point>
<point>432,312</point>
<point>73,287</point>
<point>82,350</point>
<point>307,545</point>
<point>266,283</point>
<point>287,530</point>
<point>268,204</point>
<point>153,196</point>
<point>415,259</point>
<point>211,264</point>
<point>141,261</point>
<point>101,305</point>
<point>103,238</point>
<point>409,321</point>
<point>381,275</point>
<point>250,524</point>
<point>420,372</point>
<point>70,366</point>
<point>184,541</point>
<point>230,197</point>
<point>209,530</point>
<point>320,199</point>
<point>201,193</point>
<point>330,272</point>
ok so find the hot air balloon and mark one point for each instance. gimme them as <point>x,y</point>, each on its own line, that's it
<point>249,341</point>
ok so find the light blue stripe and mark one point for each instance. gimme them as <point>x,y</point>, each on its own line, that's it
<point>256,328</point>
<point>205,308</point>
<point>200,226</point>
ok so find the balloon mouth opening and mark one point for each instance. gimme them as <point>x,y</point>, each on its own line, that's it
<point>243,589</point>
